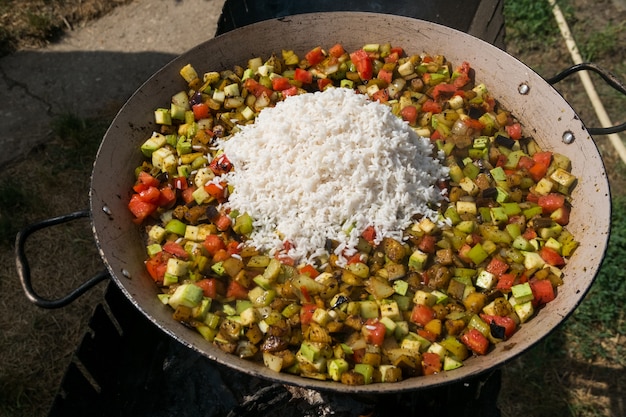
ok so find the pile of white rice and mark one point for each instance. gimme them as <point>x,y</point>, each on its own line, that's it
<point>327,165</point>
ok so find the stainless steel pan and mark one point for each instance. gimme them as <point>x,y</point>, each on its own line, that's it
<point>543,112</point>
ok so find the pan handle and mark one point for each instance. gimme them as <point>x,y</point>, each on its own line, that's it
<point>23,269</point>
<point>608,77</point>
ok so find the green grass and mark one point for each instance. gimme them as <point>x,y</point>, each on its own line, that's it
<point>599,43</point>
<point>602,312</point>
<point>530,22</point>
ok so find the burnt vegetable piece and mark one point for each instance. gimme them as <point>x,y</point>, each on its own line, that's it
<point>399,308</point>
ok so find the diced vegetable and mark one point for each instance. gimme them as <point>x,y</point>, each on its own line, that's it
<point>416,305</point>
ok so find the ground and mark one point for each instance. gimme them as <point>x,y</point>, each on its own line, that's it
<point>37,344</point>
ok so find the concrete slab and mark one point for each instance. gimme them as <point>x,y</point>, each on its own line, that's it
<point>92,71</point>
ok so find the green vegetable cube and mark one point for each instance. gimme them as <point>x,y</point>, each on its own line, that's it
<point>366,370</point>
<point>522,293</point>
<point>524,311</point>
<point>188,295</point>
<point>390,310</point>
<point>336,367</point>
<point>417,260</point>
<point>486,280</point>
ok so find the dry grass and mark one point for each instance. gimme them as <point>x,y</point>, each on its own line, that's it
<point>34,23</point>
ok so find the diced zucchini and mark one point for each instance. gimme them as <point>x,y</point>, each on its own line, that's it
<point>524,310</point>
<point>424,298</point>
<point>417,260</point>
<point>156,141</point>
<point>522,292</point>
<point>450,363</point>
<point>336,367</point>
<point>390,310</point>
<point>486,280</point>
<point>188,295</point>
<point>177,267</point>
<point>156,233</point>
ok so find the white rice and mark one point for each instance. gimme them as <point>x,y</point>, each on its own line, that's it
<point>327,165</point>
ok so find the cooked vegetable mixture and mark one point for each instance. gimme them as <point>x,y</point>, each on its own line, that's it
<point>451,287</point>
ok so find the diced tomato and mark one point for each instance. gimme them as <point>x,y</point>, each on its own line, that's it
<point>315,56</point>
<point>543,157</point>
<point>221,255</point>
<point>363,64</point>
<point>145,180</point>
<point>551,202</point>
<point>281,83</point>
<point>422,314</point>
<point>306,313</point>
<point>385,75</point>
<point>233,248</point>
<point>462,75</point>
<point>514,131</point>
<point>430,336</point>
<point>551,256</point>
<point>157,265</point>
<point>382,96</point>
<point>525,162</point>
<point>167,197</point>
<point>213,243</point>
<point>529,233</point>
<point>374,332</point>
<point>150,195</point>
<point>237,291</point>
<point>443,90</point>
<point>435,136</point>
<point>217,191</point>
<point>409,114</point>
<point>211,287</point>
<point>427,244</point>
<point>354,259</point>
<point>501,160</point>
<point>475,341</point>
<point>432,107</point>
<point>222,222</point>
<point>542,290</point>
<point>187,194</point>
<point>503,321</point>
<point>200,111</point>
<point>322,83</point>
<point>473,123</point>
<point>257,89</point>
<point>537,172</point>
<point>369,234</point>
<point>540,168</point>
<point>431,363</point>
<point>392,57</point>
<point>358,355</point>
<point>303,76</point>
<point>175,249</point>
<point>221,165</point>
<point>505,282</point>
<point>140,208</point>
<point>291,91</point>
<point>309,270</point>
<point>336,50</point>
<point>497,266</point>
<point>561,215</point>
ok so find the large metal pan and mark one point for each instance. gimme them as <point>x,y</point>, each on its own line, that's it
<point>543,112</point>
